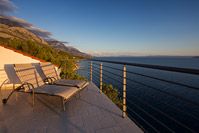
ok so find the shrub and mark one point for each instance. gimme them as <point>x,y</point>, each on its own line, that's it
<point>113,94</point>
<point>46,53</point>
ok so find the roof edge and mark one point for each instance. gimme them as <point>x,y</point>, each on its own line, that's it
<point>25,54</point>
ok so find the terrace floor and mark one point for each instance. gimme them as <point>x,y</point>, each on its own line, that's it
<point>92,112</point>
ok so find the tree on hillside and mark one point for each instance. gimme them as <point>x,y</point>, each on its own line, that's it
<point>47,53</point>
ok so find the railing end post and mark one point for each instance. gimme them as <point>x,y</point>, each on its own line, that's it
<point>91,73</point>
<point>101,78</point>
<point>124,93</point>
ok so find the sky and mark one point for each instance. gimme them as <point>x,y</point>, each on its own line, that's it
<point>114,27</point>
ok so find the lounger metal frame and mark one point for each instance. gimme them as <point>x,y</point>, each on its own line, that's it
<point>30,86</point>
<point>21,89</point>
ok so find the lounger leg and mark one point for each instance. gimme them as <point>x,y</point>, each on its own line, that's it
<point>4,101</point>
<point>16,94</point>
<point>63,102</point>
<point>33,98</point>
<point>80,94</point>
<point>76,97</point>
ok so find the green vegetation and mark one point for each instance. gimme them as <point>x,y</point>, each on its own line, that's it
<point>113,94</point>
<point>63,59</point>
<point>41,51</point>
<point>3,40</point>
<point>46,53</point>
<point>68,72</point>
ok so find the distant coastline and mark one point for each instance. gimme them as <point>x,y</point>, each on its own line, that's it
<point>195,57</point>
<point>150,56</point>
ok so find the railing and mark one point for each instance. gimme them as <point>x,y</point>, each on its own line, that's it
<point>154,102</point>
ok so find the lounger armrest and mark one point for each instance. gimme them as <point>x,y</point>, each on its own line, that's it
<point>32,91</point>
<point>20,87</point>
<point>4,101</point>
<point>52,78</point>
<point>48,81</point>
<point>29,85</point>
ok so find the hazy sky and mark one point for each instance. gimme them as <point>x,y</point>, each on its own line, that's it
<point>118,27</point>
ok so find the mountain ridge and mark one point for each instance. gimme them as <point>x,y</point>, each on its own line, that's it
<point>60,46</point>
<point>13,30</point>
<point>10,30</point>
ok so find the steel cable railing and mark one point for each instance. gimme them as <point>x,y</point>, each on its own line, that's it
<point>113,78</point>
<point>150,115</point>
<point>153,97</point>
<point>110,75</point>
<point>173,69</point>
<point>180,84</point>
<point>113,68</point>
<point>168,93</point>
<point>156,99</point>
<point>113,95</point>
<point>118,87</point>
<point>95,73</point>
<point>113,73</point>
<point>142,120</point>
<point>95,63</point>
<point>95,79</point>
<point>161,112</point>
<point>153,88</point>
<point>114,85</point>
<point>96,67</point>
<point>109,78</point>
<point>149,87</point>
<point>151,77</point>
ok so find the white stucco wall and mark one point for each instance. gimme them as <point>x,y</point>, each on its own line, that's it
<point>9,57</point>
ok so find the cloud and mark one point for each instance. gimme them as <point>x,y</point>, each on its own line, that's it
<point>102,54</point>
<point>20,21</point>
<point>64,42</point>
<point>52,39</point>
<point>28,26</point>
<point>7,6</point>
<point>40,32</point>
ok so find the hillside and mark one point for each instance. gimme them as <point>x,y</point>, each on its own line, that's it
<point>12,30</point>
<point>68,49</point>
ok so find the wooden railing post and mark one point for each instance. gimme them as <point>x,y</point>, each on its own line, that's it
<point>124,93</point>
<point>91,71</point>
<point>101,77</point>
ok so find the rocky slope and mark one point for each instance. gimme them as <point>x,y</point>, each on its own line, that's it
<point>12,30</point>
<point>69,49</point>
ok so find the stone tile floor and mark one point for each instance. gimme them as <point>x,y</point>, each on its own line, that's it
<point>92,112</point>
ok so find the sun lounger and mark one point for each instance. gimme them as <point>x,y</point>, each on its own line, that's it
<point>33,83</point>
<point>51,74</point>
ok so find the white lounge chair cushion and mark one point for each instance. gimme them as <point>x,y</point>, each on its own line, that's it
<point>80,83</point>
<point>62,91</point>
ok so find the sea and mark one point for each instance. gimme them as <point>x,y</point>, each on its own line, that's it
<point>154,105</point>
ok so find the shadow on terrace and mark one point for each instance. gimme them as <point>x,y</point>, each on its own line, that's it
<point>91,111</point>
